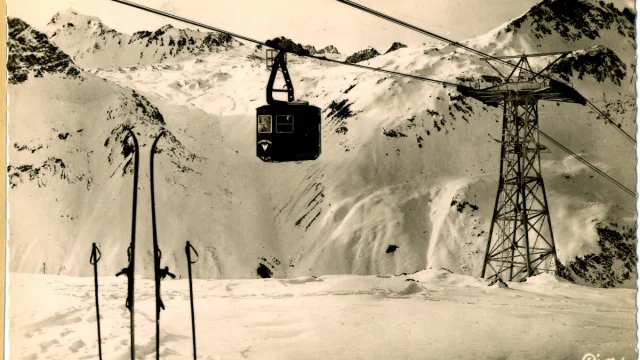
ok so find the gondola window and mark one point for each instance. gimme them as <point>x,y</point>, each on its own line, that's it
<point>284,123</point>
<point>264,124</point>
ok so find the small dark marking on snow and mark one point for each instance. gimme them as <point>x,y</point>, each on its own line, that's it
<point>264,272</point>
<point>392,248</point>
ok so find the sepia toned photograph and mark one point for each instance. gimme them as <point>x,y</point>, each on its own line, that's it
<point>329,179</point>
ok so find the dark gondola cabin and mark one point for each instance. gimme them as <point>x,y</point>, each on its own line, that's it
<point>287,131</point>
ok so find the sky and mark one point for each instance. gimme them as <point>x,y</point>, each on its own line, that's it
<point>316,22</point>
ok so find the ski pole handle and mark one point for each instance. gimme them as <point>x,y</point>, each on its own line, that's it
<point>188,249</point>
<point>96,255</point>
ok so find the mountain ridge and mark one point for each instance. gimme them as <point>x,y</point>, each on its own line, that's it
<point>91,44</point>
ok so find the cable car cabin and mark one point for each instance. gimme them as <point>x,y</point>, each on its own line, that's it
<point>286,130</point>
<point>288,133</point>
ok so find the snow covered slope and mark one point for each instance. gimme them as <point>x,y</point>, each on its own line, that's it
<point>430,315</point>
<point>67,156</point>
<point>406,181</point>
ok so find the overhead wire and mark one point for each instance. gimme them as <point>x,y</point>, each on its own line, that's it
<point>592,167</point>
<point>472,50</point>
<point>374,12</point>
<point>426,32</point>
<point>611,122</point>
<point>258,42</point>
<point>416,77</point>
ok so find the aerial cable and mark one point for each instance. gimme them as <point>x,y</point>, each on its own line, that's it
<point>477,52</point>
<point>592,167</point>
<point>415,77</point>
<point>444,39</point>
<point>611,122</point>
<point>425,32</point>
<point>258,42</point>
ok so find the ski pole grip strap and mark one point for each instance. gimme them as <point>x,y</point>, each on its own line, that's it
<point>95,254</point>
<point>188,249</point>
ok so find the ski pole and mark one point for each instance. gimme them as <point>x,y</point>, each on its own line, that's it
<point>188,249</point>
<point>95,257</point>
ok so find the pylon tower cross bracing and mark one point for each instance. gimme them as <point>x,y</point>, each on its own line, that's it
<point>521,242</point>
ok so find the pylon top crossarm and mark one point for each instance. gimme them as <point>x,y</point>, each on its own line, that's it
<point>523,66</point>
<point>530,55</point>
<point>550,90</point>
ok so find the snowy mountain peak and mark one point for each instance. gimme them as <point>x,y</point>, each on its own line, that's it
<point>395,46</point>
<point>330,49</point>
<point>65,16</point>
<point>311,49</point>
<point>363,55</point>
<point>575,19</point>
<point>567,25</point>
<point>91,44</point>
<point>30,51</point>
<point>71,20</point>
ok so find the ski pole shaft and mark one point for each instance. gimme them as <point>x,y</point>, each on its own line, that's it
<point>95,257</point>
<point>188,249</point>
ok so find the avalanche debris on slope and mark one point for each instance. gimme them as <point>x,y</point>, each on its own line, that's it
<point>616,263</point>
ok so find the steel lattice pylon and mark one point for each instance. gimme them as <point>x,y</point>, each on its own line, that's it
<point>521,242</point>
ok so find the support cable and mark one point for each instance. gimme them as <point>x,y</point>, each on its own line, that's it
<point>592,167</point>
<point>258,42</point>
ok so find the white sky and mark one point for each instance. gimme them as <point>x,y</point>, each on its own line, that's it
<point>316,22</point>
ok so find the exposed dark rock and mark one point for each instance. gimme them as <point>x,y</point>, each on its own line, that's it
<point>598,61</point>
<point>282,43</point>
<point>264,271</point>
<point>30,51</point>
<point>362,55</point>
<point>613,266</point>
<point>575,19</point>
<point>392,249</point>
<point>395,46</point>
